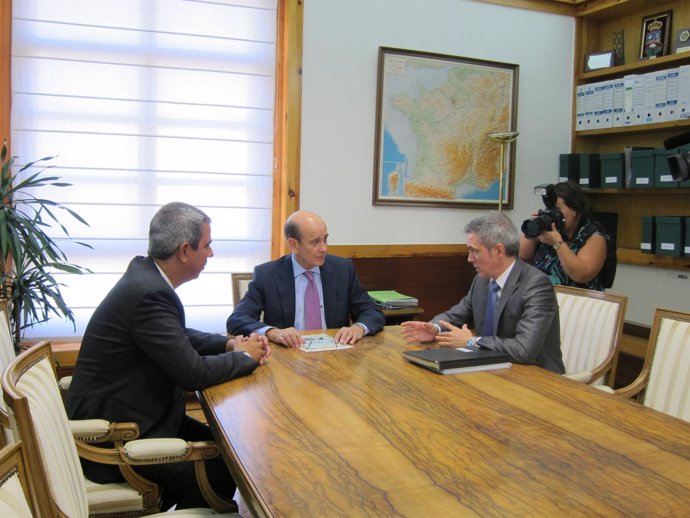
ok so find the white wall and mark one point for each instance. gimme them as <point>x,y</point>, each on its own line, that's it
<point>650,288</point>
<point>341,41</point>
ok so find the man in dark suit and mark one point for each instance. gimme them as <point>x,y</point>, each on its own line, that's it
<point>137,360</point>
<point>525,321</point>
<point>278,290</point>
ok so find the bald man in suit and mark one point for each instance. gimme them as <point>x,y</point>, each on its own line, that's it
<point>278,287</point>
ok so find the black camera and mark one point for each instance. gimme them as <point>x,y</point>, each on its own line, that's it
<point>536,226</point>
<point>678,164</point>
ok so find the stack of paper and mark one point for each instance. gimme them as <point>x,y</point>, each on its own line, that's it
<point>391,299</point>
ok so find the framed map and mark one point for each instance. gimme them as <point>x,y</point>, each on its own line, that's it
<point>434,113</point>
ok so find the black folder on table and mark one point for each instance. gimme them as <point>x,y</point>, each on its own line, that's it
<point>449,360</point>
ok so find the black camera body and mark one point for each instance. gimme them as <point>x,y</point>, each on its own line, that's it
<point>679,164</point>
<point>536,226</point>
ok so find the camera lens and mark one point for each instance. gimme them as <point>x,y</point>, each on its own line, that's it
<point>534,227</point>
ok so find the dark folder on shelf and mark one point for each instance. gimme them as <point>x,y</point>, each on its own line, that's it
<point>449,360</point>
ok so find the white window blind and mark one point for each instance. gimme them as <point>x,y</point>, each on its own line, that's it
<point>145,102</point>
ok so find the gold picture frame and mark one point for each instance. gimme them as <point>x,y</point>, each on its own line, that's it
<point>434,117</point>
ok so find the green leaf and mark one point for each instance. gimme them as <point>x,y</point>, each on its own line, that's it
<point>31,256</point>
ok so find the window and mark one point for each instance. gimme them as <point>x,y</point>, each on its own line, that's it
<point>146,102</point>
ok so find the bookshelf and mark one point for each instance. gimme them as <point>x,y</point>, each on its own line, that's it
<point>596,22</point>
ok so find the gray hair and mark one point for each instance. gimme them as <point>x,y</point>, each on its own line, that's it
<point>494,228</point>
<point>174,224</point>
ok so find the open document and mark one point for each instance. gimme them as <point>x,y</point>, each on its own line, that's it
<point>322,342</point>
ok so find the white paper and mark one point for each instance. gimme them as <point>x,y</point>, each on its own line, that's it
<point>322,342</point>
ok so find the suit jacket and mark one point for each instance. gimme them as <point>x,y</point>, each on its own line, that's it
<point>137,361</point>
<point>526,320</point>
<point>272,291</point>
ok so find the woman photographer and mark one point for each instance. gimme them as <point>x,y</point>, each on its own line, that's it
<point>575,255</point>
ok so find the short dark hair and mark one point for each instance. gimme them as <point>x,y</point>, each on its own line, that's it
<point>494,228</point>
<point>175,223</point>
<point>573,197</point>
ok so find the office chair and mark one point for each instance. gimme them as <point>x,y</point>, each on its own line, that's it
<point>240,285</point>
<point>664,382</point>
<point>15,492</point>
<point>7,354</point>
<point>591,327</point>
<point>59,486</point>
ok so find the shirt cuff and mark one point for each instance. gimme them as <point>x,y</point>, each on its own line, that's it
<point>366,330</point>
<point>263,330</point>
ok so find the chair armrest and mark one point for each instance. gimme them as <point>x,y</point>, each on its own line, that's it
<point>99,430</point>
<point>626,392</point>
<point>176,450</point>
<point>154,451</point>
<point>141,452</point>
<point>635,387</point>
<point>64,383</point>
<point>582,376</point>
<point>157,451</point>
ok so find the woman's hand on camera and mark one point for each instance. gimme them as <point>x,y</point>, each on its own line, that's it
<point>551,237</point>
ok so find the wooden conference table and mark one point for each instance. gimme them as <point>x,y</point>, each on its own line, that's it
<point>361,432</point>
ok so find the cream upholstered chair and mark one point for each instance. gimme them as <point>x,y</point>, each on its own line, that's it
<point>7,354</point>
<point>59,486</point>
<point>591,327</point>
<point>15,499</point>
<point>664,382</point>
<point>240,285</point>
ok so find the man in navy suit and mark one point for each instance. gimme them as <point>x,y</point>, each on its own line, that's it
<point>138,360</point>
<point>525,321</point>
<point>278,289</point>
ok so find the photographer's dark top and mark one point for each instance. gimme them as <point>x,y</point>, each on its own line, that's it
<point>546,259</point>
<point>137,360</point>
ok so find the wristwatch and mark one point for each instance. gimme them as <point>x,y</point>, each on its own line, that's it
<point>472,342</point>
<point>556,246</point>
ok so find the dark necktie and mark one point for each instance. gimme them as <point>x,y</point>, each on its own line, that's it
<point>312,307</point>
<point>490,309</point>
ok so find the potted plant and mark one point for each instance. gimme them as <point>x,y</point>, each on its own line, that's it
<point>30,256</point>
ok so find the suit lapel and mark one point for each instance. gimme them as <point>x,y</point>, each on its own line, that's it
<point>507,291</point>
<point>285,288</point>
<point>329,290</point>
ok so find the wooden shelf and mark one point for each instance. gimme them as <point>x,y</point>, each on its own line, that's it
<point>659,127</point>
<point>609,9</point>
<point>636,258</point>
<point>597,21</point>
<point>640,66</point>
<point>680,191</point>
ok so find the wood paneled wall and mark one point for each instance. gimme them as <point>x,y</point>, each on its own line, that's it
<point>439,282</point>
<point>437,275</point>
